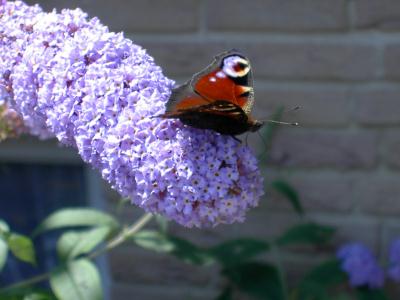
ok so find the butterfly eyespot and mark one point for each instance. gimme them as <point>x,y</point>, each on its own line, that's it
<point>241,66</point>
<point>235,66</point>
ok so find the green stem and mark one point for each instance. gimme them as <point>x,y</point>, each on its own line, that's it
<point>123,235</point>
<point>281,271</point>
<point>26,283</point>
<point>118,240</point>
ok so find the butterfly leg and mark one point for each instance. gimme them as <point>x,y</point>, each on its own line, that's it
<point>236,139</point>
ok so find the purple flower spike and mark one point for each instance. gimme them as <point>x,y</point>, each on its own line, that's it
<point>70,78</point>
<point>361,266</point>
<point>394,261</point>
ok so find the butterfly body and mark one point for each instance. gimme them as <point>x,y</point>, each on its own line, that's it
<point>219,98</point>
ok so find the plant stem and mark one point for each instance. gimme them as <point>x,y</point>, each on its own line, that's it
<point>281,271</point>
<point>123,235</point>
<point>118,240</point>
<point>27,282</point>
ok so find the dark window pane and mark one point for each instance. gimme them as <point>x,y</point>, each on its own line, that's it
<point>29,193</point>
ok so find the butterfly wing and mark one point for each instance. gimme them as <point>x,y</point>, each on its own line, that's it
<point>183,98</point>
<point>229,78</point>
<point>219,98</point>
<point>247,92</point>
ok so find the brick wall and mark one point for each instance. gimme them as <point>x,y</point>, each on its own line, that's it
<point>339,60</point>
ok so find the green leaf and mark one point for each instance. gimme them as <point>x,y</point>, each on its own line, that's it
<point>226,294</point>
<point>327,273</point>
<point>341,296</point>
<point>369,294</point>
<point>74,243</point>
<point>73,217</point>
<point>154,240</point>
<point>3,253</point>
<point>78,280</point>
<point>286,190</point>
<point>22,247</point>
<point>190,253</point>
<point>320,279</point>
<point>236,251</point>
<point>184,250</point>
<point>308,233</point>
<point>4,228</point>
<point>312,291</point>
<point>38,296</point>
<point>30,293</point>
<point>259,280</point>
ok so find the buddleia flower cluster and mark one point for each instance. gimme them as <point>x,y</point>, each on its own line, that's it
<point>69,77</point>
<point>362,267</point>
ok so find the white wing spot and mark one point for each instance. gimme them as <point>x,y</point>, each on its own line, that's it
<point>221,74</point>
<point>213,79</point>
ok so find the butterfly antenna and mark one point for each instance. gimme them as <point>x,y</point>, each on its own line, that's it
<point>284,112</point>
<point>283,123</point>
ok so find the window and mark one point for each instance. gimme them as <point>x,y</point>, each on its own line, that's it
<point>37,178</point>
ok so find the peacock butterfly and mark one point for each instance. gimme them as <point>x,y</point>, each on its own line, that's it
<point>219,98</point>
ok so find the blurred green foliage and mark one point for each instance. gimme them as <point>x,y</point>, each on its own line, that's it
<point>88,233</point>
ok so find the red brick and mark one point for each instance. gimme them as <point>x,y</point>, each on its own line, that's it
<point>151,292</point>
<point>301,148</point>
<point>292,15</point>
<point>320,106</point>
<point>132,264</point>
<point>272,60</point>
<point>262,223</point>
<point>137,15</point>
<point>384,14</point>
<point>331,193</point>
<point>391,145</point>
<point>377,106</point>
<point>353,228</point>
<point>392,61</point>
<point>390,232</point>
<point>378,195</point>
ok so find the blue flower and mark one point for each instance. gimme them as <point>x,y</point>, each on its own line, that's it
<point>394,261</point>
<point>361,266</point>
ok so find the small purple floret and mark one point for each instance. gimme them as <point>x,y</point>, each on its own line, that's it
<point>361,266</point>
<point>70,78</point>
